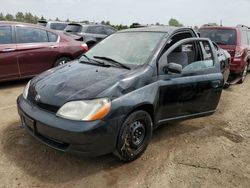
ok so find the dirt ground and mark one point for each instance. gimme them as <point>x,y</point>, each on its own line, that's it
<point>208,152</point>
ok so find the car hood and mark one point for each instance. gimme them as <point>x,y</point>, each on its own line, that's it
<point>73,81</point>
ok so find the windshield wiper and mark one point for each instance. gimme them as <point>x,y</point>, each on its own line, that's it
<point>90,61</point>
<point>112,60</point>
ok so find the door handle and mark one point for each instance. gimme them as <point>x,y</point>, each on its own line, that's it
<point>52,46</point>
<point>8,50</point>
<point>216,84</point>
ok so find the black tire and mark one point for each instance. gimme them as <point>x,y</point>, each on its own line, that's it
<point>243,74</point>
<point>134,136</point>
<point>61,61</point>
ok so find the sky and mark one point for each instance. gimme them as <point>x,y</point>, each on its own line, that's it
<point>188,12</point>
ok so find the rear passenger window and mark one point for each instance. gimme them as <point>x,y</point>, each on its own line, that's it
<point>95,30</point>
<point>31,35</point>
<point>248,36</point>
<point>244,38</point>
<point>109,31</point>
<point>5,35</point>
<point>52,37</point>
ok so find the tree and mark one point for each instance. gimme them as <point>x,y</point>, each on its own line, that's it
<point>42,18</point>
<point>57,19</point>
<point>2,16</point>
<point>196,28</point>
<point>175,23</point>
<point>135,25</point>
<point>9,17</point>
<point>19,17</point>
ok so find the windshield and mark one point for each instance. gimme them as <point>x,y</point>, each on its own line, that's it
<point>220,36</point>
<point>58,26</point>
<point>73,28</point>
<point>127,48</point>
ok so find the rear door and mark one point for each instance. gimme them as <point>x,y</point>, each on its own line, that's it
<point>197,89</point>
<point>8,55</point>
<point>36,53</point>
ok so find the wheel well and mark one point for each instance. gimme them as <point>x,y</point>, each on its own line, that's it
<point>62,56</point>
<point>149,108</point>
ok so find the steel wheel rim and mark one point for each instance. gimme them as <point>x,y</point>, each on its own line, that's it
<point>137,134</point>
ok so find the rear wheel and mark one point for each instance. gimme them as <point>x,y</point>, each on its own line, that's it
<point>134,136</point>
<point>244,74</point>
<point>61,61</point>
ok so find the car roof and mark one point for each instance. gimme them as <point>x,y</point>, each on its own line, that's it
<point>19,23</point>
<point>218,27</point>
<point>28,25</point>
<point>161,29</point>
<point>90,24</point>
<point>57,22</point>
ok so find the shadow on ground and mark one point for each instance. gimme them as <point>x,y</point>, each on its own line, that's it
<point>52,166</point>
<point>13,84</point>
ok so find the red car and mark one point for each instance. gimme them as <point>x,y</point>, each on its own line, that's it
<point>27,50</point>
<point>236,40</point>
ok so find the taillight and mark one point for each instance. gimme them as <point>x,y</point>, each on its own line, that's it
<point>239,51</point>
<point>85,47</point>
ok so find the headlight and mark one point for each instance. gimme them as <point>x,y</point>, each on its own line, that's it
<point>26,90</point>
<point>89,110</point>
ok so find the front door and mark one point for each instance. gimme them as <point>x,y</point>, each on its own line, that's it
<point>35,52</point>
<point>8,56</point>
<point>197,88</point>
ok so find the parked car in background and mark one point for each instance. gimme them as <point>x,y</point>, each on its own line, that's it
<point>27,50</point>
<point>56,25</point>
<point>236,40</point>
<point>112,98</point>
<point>42,23</point>
<point>91,34</point>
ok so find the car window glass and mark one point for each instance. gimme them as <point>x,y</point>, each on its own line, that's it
<point>95,30</point>
<point>5,35</point>
<point>52,37</point>
<point>74,28</point>
<point>132,48</point>
<point>109,31</point>
<point>58,26</point>
<point>244,38</point>
<point>220,36</point>
<point>206,62</point>
<point>31,35</point>
<point>248,36</point>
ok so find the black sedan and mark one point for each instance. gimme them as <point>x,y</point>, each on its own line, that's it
<point>112,98</point>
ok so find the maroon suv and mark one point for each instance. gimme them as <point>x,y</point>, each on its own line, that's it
<point>236,40</point>
<point>27,50</point>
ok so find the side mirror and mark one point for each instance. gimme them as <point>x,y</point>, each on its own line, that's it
<point>172,68</point>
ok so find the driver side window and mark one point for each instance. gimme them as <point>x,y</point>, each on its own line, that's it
<point>193,57</point>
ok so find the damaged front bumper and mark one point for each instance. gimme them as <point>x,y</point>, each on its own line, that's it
<point>84,138</point>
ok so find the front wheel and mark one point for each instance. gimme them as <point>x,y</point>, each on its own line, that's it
<point>134,136</point>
